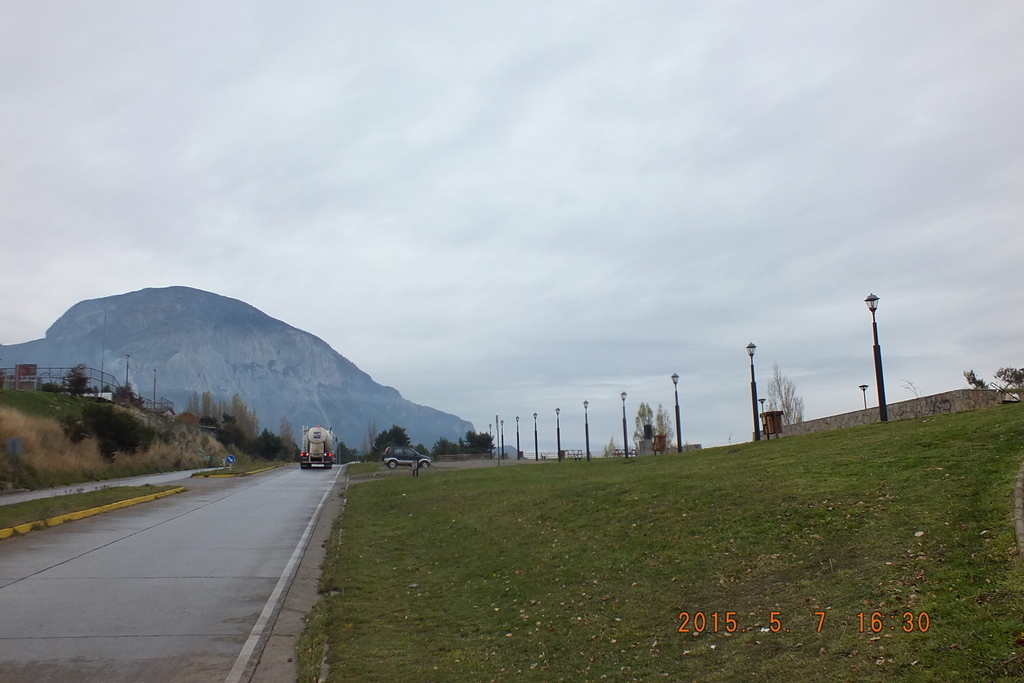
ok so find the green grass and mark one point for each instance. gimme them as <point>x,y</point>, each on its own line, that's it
<point>45,508</point>
<point>579,571</point>
<point>42,403</point>
<point>355,468</point>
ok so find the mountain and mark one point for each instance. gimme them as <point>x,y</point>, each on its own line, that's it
<point>199,341</point>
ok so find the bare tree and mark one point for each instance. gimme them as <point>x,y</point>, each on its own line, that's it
<point>782,396</point>
<point>286,431</point>
<point>911,387</point>
<point>370,438</point>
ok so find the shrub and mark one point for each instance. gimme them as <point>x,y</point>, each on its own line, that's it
<point>115,430</point>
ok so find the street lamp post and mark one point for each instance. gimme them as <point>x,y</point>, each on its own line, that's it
<point>127,360</point>
<point>883,412</point>
<point>536,448</point>
<point>502,455</point>
<point>154,388</point>
<point>491,434</point>
<point>518,452</point>
<point>625,442</point>
<point>864,391</point>
<point>753,391</point>
<point>586,426</point>
<point>558,433</point>
<point>679,431</point>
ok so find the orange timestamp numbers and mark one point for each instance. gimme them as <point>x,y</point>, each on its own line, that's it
<point>715,622</point>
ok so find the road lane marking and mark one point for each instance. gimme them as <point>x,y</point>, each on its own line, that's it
<point>275,598</point>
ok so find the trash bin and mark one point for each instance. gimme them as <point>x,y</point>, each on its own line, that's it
<point>772,422</point>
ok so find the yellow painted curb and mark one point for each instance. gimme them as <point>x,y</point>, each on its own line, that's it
<point>238,474</point>
<point>82,514</point>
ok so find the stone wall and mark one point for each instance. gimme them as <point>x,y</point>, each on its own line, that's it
<point>949,402</point>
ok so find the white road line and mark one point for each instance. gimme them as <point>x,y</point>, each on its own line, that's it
<point>257,631</point>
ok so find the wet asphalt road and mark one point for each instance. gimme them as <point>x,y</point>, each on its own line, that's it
<point>168,591</point>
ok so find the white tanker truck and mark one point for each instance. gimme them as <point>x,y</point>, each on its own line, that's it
<point>317,447</point>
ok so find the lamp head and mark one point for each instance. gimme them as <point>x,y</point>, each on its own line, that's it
<point>872,302</point>
<point>623,394</point>
<point>675,378</point>
<point>750,349</point>
<point>586,404</point>
<point>558,411</point>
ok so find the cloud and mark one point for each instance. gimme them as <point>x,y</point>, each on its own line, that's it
<point>512,206</point>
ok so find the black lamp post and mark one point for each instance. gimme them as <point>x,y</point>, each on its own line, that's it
<point>625,442</point>
<point>502,440</point>
<point>518,451</point>
<point>154,388</point>
<point>127,360</point>
<point>491,434</point>
<point>586,426</point>
<point>883,413</point>
<point>753,392</point>
<point>558,432</point>
<point>679,431</point>
<point>864,391</point>
<point>536,448</point>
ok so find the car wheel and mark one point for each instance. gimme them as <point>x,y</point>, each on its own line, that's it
<point>392,464</point>
<point>424,463</point>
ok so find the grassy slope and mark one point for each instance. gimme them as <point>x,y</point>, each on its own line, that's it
<point>45,508</point>
<point>41,403</point>
<point>577,571</point>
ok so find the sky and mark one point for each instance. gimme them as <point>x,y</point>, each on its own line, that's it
<point>507,208</point>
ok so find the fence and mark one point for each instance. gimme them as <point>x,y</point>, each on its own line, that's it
<point>28,377</point>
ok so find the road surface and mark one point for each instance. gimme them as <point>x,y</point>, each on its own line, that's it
<point>169,591</point>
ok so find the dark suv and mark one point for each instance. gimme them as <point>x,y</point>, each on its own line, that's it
<point>403,455</point>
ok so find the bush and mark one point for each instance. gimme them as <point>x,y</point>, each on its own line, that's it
<point>115,430</point>
<point>74,428</point>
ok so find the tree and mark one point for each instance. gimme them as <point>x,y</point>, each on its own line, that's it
<point>1007,380</point>
<point>973,381</point>
<point>782,396</point>
<point>76,381</point>
<point>911,387</point>
<point>476,442</point>
<point>644,416</point>
<point>395,436</point>
<point>663,424</point>
<point>370,438</point>
<point>286,431</point>
<point>444,447</point>
<point>609,450</point>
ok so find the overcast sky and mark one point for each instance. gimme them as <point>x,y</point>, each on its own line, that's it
<point>508,208</point>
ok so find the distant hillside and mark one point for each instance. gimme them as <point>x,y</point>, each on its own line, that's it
<point>199,341</point>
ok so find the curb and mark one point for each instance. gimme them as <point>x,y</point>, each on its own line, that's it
<point>1018,511</point>
<point>82,514</point>
<point>239,474</point>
